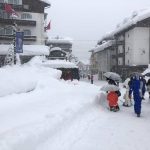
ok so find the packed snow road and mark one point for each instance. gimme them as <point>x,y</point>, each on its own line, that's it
<point>65,115</point>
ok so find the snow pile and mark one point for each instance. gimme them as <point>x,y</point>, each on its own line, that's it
<point>65,115</point>
<point>60,40</point>
<point>42,61</point>
<point>59,64</point>
<point>104,46</point>
<point>22,79</point>
<point>27,50</point>
<point>28,119</point>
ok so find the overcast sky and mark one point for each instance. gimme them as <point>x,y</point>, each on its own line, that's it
<point>86,21</point>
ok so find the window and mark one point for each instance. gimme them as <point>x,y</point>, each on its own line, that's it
<point>9,31</point>
<point>26,16</point>
<point>4,15</point>
<point>120,61</point>
<point>1,1</point>
<point>27,33</point>
<point>26,7</point>
<point>2,31</point>
<point>120,49</point>
<point>16,2</point>
<point>6,31</point>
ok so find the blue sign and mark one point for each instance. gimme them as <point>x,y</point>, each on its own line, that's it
<point>19,42</point>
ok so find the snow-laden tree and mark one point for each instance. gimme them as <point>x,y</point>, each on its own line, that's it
<point>9,59</point>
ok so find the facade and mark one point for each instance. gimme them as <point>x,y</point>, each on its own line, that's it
<point>102,58</point>
<point>31,20</point>
<point>60,48</point>
<point>131,49</point>
<point>83,69</point>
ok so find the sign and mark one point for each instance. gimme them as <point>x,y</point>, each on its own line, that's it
<point>19,42</point>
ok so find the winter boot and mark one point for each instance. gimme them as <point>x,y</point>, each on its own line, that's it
<point>138,115</point>
<point>125,105</point>
<point>117,108</point>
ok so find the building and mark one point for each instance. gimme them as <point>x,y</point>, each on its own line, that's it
<point>31,20</point>
<point>60,48</point>
<point>130,50</point>
<point>83,69</point>
<point>100,58</point>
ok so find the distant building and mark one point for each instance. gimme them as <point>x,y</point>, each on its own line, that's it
<point>31,20</point>
<point>60,48</point>
<point>127,48</point>
<point>83,69</point>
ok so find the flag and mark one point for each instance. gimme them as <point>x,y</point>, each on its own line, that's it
<point>10,10</point>
<point>48,27</point>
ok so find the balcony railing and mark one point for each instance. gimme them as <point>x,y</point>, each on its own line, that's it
<point>10,37</point>
<point>19,22</point>
<point>6,18</point>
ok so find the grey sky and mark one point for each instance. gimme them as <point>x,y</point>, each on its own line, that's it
<point>86,21</point>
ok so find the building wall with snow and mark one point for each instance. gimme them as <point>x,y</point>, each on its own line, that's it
<point>141,46</point>
<point>129,46</point>
<point>137,46</point>
<point>37,30</point>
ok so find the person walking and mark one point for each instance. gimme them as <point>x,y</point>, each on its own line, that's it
<point>92,78</point>
<point>112,98</point>
<point>127,98</point>
<point>136,88</point>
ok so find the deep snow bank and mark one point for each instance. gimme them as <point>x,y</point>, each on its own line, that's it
<point>18,79</point>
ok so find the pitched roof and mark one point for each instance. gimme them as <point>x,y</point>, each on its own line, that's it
<point>46,2</point>
<point>135,17</point>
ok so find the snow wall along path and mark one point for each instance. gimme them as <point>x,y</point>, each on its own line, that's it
<point>22,79</point>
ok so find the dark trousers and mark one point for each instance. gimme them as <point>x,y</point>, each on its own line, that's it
<point>137,103</point>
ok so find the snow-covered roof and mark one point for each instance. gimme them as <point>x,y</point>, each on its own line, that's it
<point>59,64</point>
<point>55,49</point>
<point>46,1</point>
<point>103,46</point>
<point>147,70</point>
<point>33,50</point>
<point>136,17</point>
<point>60,40</point>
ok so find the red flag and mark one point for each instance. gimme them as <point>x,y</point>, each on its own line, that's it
<point>48,27</point>
<point>10,10</point>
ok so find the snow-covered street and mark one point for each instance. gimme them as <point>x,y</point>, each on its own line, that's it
<point>42,112</point>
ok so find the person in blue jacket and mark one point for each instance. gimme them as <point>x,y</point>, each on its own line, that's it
<point>136,88</point>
